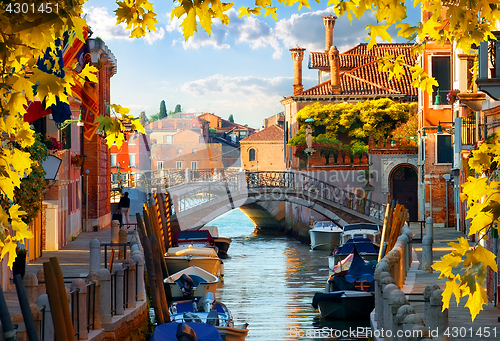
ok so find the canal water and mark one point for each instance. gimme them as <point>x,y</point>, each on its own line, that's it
<point>270,281</point>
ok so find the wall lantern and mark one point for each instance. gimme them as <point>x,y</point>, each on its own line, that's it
<point>51,166</point>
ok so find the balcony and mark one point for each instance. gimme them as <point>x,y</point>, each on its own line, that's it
<point>488,80</point>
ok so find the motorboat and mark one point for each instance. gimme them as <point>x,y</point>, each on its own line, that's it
<point>192,282</point>
<point>325,235</point>
<point>208,311</point>
<point>349,296</point>
<point>222,243</point>
<point>361,230</point>
<point>196,238</point>
<point>186,331</point>
<point>338,257</point>
<point>182,257</point>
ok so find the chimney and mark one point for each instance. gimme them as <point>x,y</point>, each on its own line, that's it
<point>297,56</point>
<point>333,57</point>
<point>329,22</point>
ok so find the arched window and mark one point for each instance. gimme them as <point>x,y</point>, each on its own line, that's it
<point>251,155</point>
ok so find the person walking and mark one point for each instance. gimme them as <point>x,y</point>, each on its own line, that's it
<point>124,207</point>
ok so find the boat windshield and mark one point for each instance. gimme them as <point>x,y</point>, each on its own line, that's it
<point>361,226</point>
<point>323,224</point>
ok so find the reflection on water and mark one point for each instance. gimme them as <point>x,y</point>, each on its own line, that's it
<point>269,284</point>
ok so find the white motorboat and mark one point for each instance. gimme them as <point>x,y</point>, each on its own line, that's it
<point>325,235</point>
<point>361,230</point>
<point>192,282</point>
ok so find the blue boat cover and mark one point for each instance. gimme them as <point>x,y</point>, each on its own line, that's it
<point>359,269</point>
<point>364,245</point>
<point>204,332</point>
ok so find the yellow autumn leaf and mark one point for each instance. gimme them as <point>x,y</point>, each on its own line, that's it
<point>476,301</point>
<point>480,254</point>
<point>462,246</point>
<point>446,264</point>
<point>10,248</point>
<point>479,161</point>
<point>452,287</point>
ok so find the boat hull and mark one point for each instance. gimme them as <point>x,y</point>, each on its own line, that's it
<point>334,260</point>
<point>357,306</point>
<point>233,333</point>
<point>178,263</point>
<point>324,240</point>
<point>222,244</point>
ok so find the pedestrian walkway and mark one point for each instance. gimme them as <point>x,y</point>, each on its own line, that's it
<point>460,324</point>
<point>74,260</point>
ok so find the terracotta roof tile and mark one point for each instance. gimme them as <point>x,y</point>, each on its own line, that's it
<point>271,133</point>
<point>367,80</point>
<point>360,55</point>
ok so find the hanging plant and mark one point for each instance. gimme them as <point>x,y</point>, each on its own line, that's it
<point>452,96</point>
<point>52,143</point>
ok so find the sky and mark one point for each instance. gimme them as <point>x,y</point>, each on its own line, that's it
<point>244,68</point>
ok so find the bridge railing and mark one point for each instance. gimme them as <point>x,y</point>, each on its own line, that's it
<point>316,188</point>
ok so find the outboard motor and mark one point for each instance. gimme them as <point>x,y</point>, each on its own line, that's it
<point>187,285</point>
<point>207,302</point>
<point>185,333</point>
<point>213,317</point>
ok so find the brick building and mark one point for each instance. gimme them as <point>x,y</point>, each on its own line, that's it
<point>264,150</point>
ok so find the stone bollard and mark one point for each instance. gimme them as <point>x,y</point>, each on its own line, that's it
<point>122,239</point>
<point>383,283</point>
<point>429,289</point>
<point>95,254</point>
<point>401,315</point>
<point>427,254</point>
<point>134,249</point>
<point>429,226</point>
<point>30,282</point>
<point>130,294</point>
<point>94,294</point>
<point>105,298</point>
<point>80,326</point>
<point>405,245</point>
<point>379,277</point>
<point>48,327</point>
<point>437,319</point>
<point>188,177</point>
<point>115,228</point>
<point>389,259</point>
<point>21,328</point>
<point>37,316</point>
<point>387,319</point>
<point>397,299</point>
<point>413,322</point>
<point>139,268</point>
<point>40,275</point>
<point>118,271</point>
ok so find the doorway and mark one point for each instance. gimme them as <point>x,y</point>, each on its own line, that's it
<point>404,187</point>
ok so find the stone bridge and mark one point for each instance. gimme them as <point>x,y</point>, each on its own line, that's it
<point>197,201</point>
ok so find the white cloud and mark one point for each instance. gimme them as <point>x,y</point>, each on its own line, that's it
<point>103,24</point>
<point>241,86</point>
<point>153,36</point>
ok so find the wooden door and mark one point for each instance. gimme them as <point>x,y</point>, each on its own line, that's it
<point>405,190</point>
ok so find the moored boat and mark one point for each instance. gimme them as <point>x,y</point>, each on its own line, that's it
<point>185,331</point>
<point>350,296</point>
<point>208,311</point>
<point>361,230</point>
<point>182,257</point>
<point>191,282</point>
<point>325,235</point>
<point>222,243</point>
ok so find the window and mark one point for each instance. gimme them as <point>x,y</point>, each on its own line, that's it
<point>159,165</point>
<point>132,138</point>
<point>243,133</point>
<point>78,194</point>
<point>194,165</point>
<point>441,72</point>
<point>251,155</point>
<point>112,158</point>
<point>444,149</point>
<point>179,151</point>
<point>167,139</point>
<point>131,160</point>
<point>178,165</point>
<point>193,151</point>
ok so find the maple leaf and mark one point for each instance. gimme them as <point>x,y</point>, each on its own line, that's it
<point>89,73</point>
<point>481,255</point>
<point>462,246</point>
<point>10,248</point>
<point>446,264</point>
<point>476,300</point>
<point>452,287</point>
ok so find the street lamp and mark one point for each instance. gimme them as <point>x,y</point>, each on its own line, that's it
<point>79,123</point>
